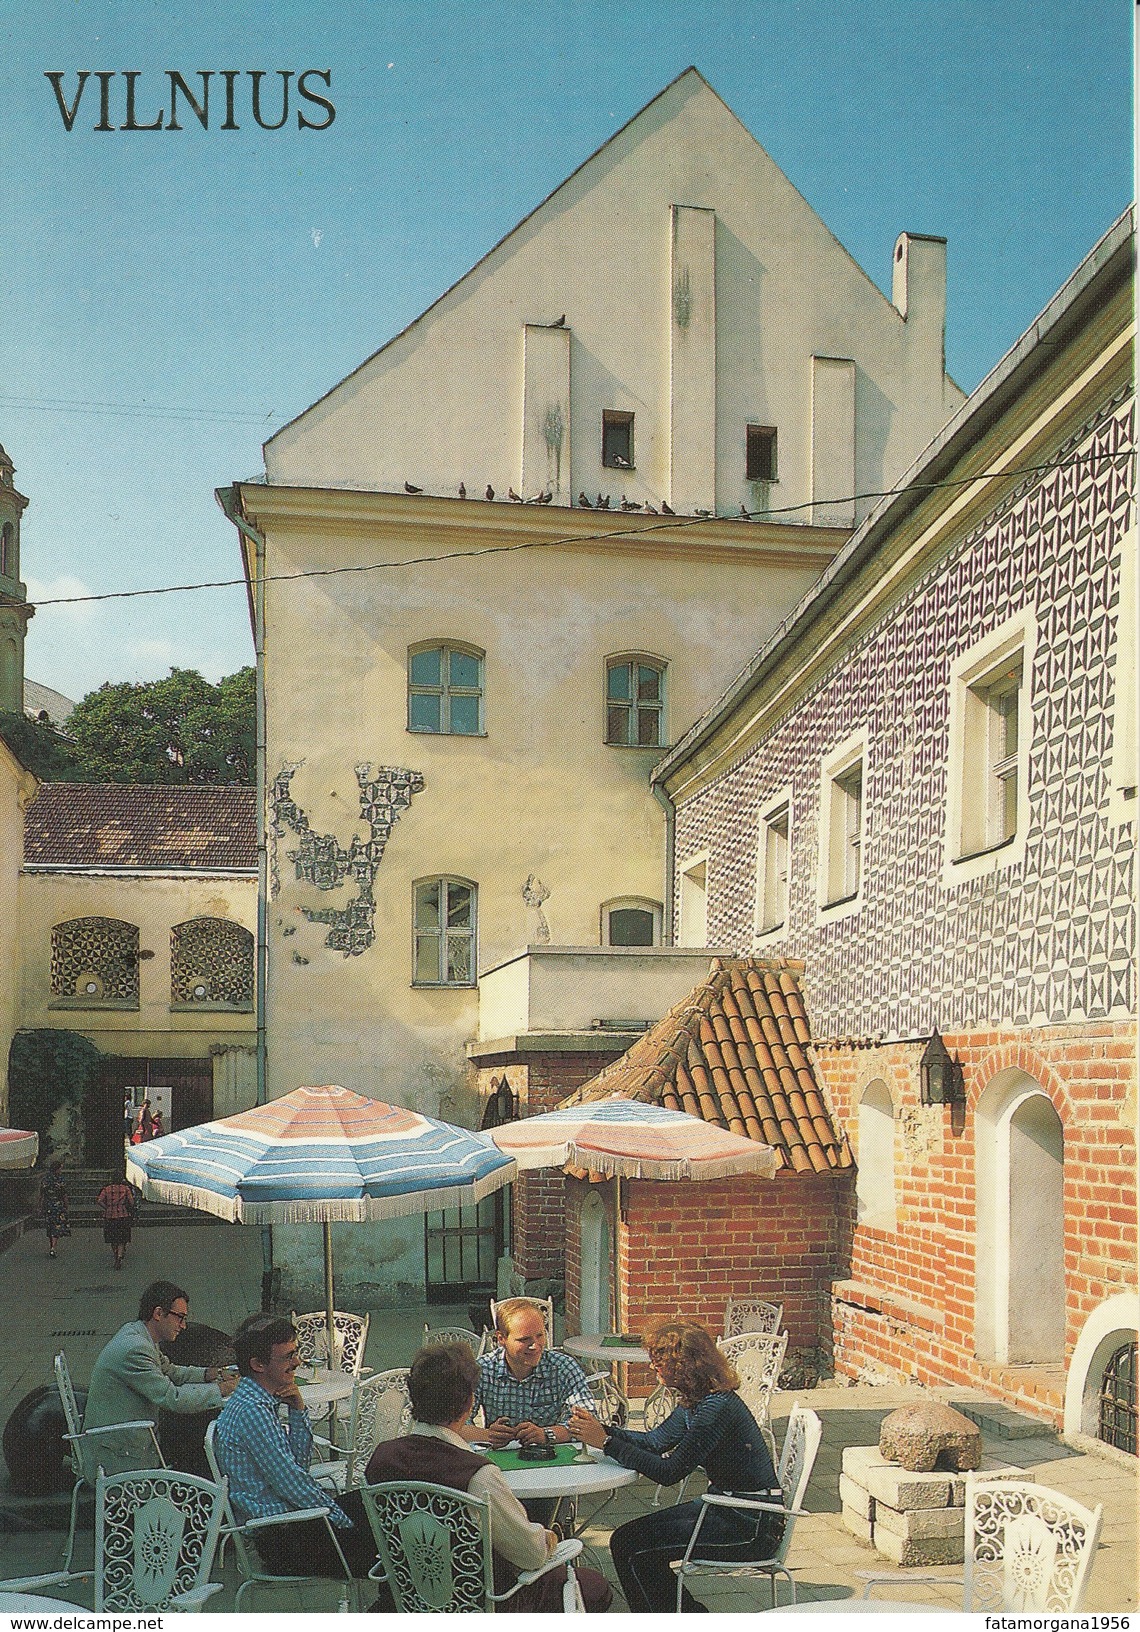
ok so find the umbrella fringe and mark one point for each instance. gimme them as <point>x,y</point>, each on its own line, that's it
<point>632,1167</point>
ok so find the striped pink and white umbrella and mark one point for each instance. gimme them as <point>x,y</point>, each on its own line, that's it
<point>628,1139</point>
<point>18,1147</point>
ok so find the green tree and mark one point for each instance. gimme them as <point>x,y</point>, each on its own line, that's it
<point>41,749</point>
<point>179,729</point>
<point>47,1069</point>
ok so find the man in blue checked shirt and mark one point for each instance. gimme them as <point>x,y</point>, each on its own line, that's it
<point>266,1460</point>
<point>527,1391</point>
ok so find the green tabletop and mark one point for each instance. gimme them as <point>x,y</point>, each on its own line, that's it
<point>511,1461</point>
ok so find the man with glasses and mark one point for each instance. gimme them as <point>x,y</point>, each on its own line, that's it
<point>133,1381</point>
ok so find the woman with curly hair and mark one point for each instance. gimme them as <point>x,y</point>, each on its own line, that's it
<point>713,1429</point>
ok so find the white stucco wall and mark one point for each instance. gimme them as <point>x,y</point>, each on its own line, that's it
<point>759,291</point>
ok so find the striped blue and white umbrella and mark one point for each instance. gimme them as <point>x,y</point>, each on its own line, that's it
<point>320,1155</point>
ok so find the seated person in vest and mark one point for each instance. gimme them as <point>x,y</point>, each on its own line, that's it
<point>267,1461</point>
<point>133,1381</point>
<point>441,1386</point>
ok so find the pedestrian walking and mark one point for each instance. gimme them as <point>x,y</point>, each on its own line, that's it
<point>118,1205</point>
<point>53,1205</point>
<point>144,1125</point>
<point>156,1126</point>
<point>128,1116</point>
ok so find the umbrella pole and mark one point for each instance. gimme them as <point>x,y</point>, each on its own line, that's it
<point>618,1327</point>
<point>329,1323</point>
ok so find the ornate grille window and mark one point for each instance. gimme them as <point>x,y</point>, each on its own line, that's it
<point>1117,1425</point>
<point>95,960</point>
<point>211,961</point>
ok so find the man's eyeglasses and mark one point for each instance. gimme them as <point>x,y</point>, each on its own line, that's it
<point>182,1315</point>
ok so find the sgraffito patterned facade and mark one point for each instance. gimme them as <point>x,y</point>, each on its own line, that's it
<point>1051,940</point>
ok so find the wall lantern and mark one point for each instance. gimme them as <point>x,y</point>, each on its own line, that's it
<point>943,1080</point>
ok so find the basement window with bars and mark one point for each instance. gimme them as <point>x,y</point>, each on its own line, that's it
<point>1117,1424</point>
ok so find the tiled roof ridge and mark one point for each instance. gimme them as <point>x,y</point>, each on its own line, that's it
<point>737,1051</point>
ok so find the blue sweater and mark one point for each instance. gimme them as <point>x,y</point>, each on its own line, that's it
<point>718,1434</point>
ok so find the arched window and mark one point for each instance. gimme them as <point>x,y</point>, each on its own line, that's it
<point>635,702</point>
<point>7,554</point>
<point>631,921</point>
<point>95,960</point>
<point>211,963</point>
<point>444,913</point>
<point>875,1180</point>
<point>445,689</point>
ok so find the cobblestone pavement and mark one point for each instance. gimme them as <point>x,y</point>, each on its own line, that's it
<point>77,1301</point>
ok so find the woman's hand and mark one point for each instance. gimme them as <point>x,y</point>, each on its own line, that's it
<point>585,1426</point>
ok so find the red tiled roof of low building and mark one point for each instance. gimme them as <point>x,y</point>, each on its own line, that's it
<point>76,824</point>
<point>736,1052</point>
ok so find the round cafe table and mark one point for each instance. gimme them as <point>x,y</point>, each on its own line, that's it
<point>35,1603</point>
<point>569,1479</point>
<point>322,1391</point>
<point>601,1346</point>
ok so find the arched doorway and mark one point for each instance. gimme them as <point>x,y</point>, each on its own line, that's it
<point>875,1179</point>
<point>1020,1290</point>
<point>597,1265</point>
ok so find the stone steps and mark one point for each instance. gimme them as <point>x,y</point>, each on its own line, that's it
<point>83,1184</point>
<point>1001,1421</point>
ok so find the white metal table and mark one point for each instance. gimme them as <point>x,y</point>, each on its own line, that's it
<point>601,1346</point>
<point>569,1479</point>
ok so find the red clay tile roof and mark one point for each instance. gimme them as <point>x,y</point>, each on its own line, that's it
<point>75,824</point>
<point>736,1052</point>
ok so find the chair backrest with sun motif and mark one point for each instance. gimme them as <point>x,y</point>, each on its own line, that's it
<point>156,1532</point>
<point>1028,1548</point>
<point>435,1545</point>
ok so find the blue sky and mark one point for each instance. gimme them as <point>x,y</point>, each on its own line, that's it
<point>168,298</point>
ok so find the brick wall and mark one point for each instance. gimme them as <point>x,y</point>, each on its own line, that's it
<point>686,1248</point>
<point>906,1307</point>
<point>538,1214</point>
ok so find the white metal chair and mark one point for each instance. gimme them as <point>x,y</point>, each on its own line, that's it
<point>244,1537</point>
<point>435,1550</point>
<point>156,1533</point>
<point>1027,1549</point>
<point>350,1333</point>
<point>381,1409</point>
<point>453,1334</point>
<point>801,1444</point>
<point>546,1305</point>
<point>610,1404</point>
<point>751,1315</point>
<point>127,1445</point>
<point>757,1358</point>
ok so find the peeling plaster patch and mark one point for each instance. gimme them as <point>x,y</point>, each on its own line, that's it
<point>920,1128</point>
<point>683,299</point>
<point>320,860</point>
<point>534,893</point>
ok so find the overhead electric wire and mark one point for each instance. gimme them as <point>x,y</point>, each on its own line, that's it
<point>656,524</point>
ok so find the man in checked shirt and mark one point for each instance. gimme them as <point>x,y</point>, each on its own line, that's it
<point>267,1460</point>
<point>526,1390</point>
